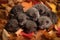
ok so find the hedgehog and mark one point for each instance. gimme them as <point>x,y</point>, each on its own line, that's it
<point>12,26</point>
<point>44,22</point>
<point>16,9</point>
<point>30,26</point>
<point>33,13</point>
<point>45,11</point>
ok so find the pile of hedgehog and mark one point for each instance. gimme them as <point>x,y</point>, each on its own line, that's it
<point>39,17</point>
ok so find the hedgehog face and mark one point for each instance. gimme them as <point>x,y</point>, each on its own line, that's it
<point>22,18</point>
<point>30,26</point>
<point>44,22</point>
<point>33,13</point>
<point>12,25</point>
